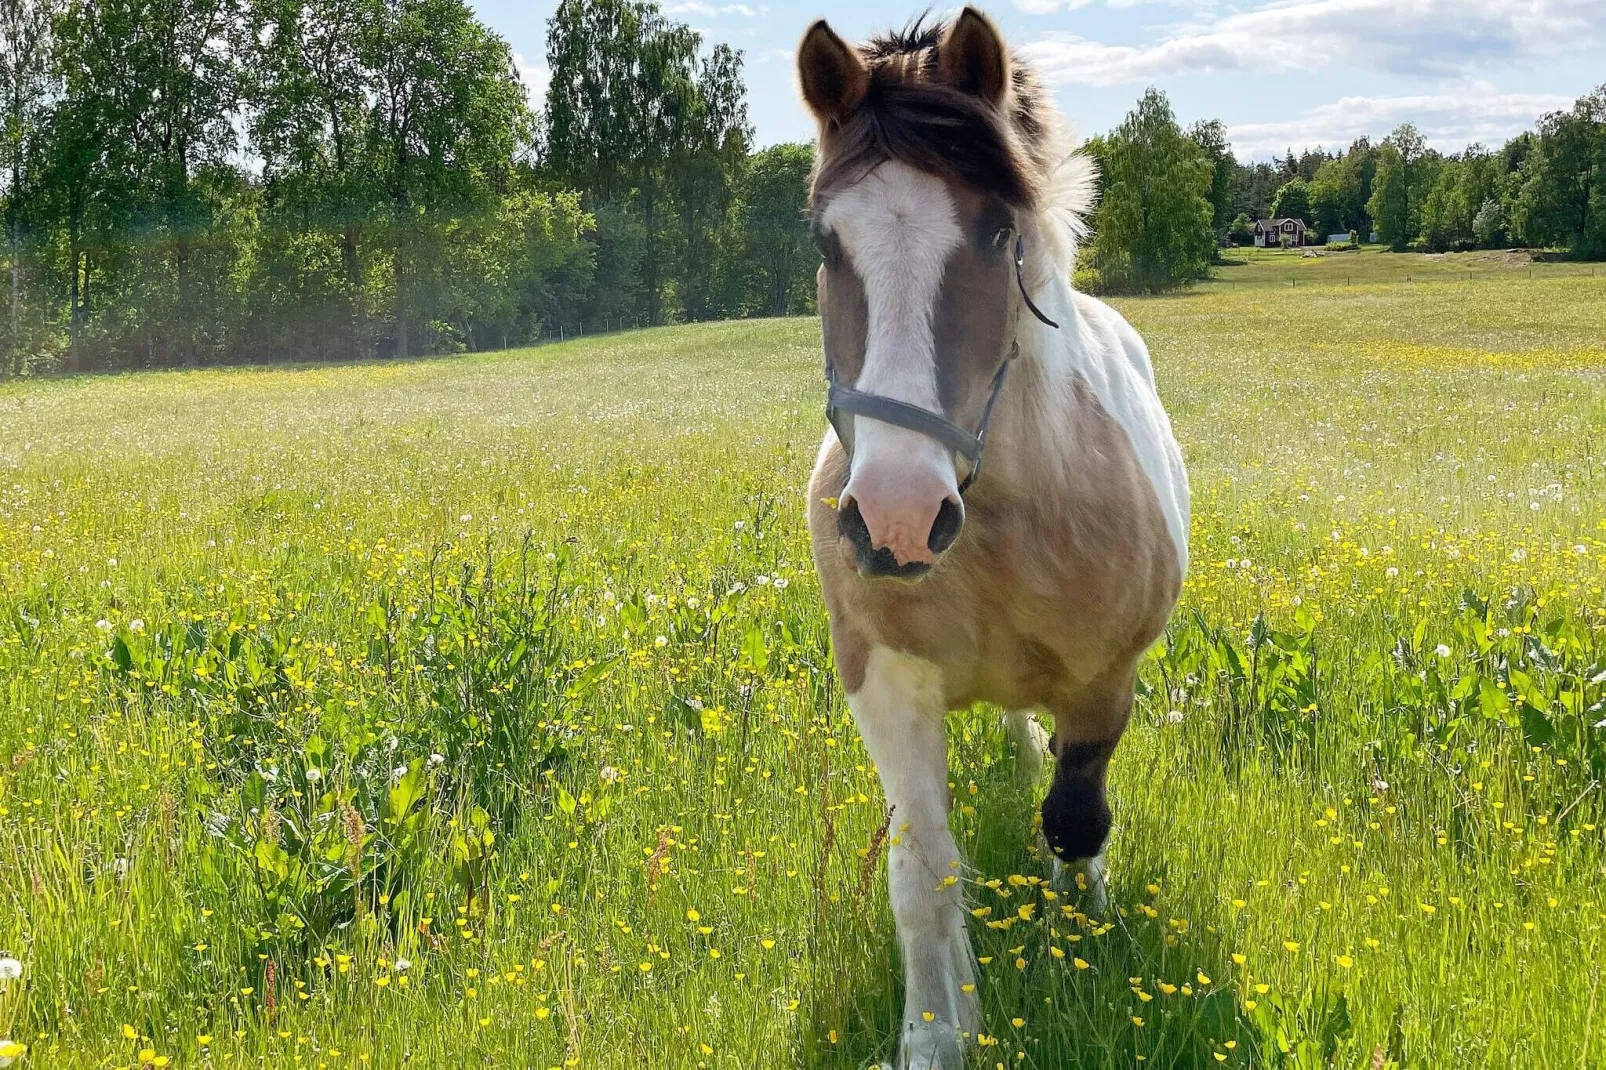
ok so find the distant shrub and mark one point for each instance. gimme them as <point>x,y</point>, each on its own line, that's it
<point>1342,246</point>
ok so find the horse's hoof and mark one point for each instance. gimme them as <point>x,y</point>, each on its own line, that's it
<point>931,1046</point>
<point>1083,880</point>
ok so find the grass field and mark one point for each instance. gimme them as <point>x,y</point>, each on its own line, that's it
<point>1374,264</point>
<point>479,712</point>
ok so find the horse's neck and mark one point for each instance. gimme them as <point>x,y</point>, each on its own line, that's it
<point>1041,414</point>
<point>1039,421</point>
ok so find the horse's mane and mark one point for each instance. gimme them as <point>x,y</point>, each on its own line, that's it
<point>1023,153</point>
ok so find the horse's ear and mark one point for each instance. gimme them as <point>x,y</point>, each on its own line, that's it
<point>833,76</point>
<point>973,58</point>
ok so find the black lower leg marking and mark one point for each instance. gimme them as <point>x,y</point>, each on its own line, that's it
<point>1076,814</point>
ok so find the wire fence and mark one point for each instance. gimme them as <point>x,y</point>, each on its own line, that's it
<point>1542,272</point>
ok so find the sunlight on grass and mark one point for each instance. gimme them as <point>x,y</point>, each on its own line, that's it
<point>480,712</point>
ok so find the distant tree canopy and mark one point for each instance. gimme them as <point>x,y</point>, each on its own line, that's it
<point>1154,229</point>
<point>221,180</point>
<point>1292,201</point>
<point>1545,188</point>
<point>206,181</point>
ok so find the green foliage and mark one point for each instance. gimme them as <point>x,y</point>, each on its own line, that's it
<point>637,120</point>
<point>1293,201</point>
<point>1489,225</point>
<point>403,198</point>
<point>1242,230</point>
<point>1153,227</point>
<point>1397,192</point>
<point>1562,198</point>
<point>775,245</point>
<point>1339,192</point>
<point>1211,137</point>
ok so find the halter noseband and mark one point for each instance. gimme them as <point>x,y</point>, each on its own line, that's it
<point>968,444</point>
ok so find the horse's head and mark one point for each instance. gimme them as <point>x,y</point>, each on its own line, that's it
<point>928,166</point>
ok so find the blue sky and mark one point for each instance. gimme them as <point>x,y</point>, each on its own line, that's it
<point>1284,73</point>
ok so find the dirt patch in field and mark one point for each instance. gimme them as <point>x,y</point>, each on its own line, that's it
<point>1498,257</point>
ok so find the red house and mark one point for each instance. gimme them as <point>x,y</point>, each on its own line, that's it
<point>1273,232</point>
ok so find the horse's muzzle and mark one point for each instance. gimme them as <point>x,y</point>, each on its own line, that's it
<point>879,562</point>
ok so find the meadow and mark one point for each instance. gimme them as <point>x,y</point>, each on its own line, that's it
<point>480,712</point>
<point>1374,264</point>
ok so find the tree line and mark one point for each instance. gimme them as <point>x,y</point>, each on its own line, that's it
<point>1171,198</point>
<point>193,182</point>
<point>1543,188</point>
<point>189,182</point>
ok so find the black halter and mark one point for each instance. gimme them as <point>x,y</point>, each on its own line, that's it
<point>968,444</point>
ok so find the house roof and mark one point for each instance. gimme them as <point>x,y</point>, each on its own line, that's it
<point>1276,224</point>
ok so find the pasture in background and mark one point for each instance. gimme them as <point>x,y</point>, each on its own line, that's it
<point>479,712</point>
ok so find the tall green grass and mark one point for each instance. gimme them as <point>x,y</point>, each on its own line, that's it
<point>480,712</point>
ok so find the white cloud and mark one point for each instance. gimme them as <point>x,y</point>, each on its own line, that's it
<point>1450,120</point>
<point>1049,7</point>
<point>708,11</point>
<point>1403,36</point>
<point>536,78</point>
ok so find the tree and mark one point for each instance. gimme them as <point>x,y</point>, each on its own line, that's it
<point>705,172</point>
<point>1340,190</point>
<point>1253,187</point>
<point>311,91</point>
<point>1242,231</point>
<point>775,242</point>
<point>1489,225</point>
<point>1211,137</point>
<point>27,83</point>
<point>1398,188</point>
<point>1292,201</point>
<point>1445,220</point>
<point>448,122</point>
<point>633,116</point>
<point>1562,200</point>
<point>1154,222</point>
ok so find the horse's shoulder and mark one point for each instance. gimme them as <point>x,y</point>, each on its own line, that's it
<point>1114,335</point>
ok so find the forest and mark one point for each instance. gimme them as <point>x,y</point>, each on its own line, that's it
<point>1542,189</point>
<point>193,182</point>
<point>196,182</point>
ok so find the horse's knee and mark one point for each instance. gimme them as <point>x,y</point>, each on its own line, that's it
<point>1076,813</point>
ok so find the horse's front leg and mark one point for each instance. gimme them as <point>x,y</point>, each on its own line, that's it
<point>900,711</point>
<point>1076,812</point>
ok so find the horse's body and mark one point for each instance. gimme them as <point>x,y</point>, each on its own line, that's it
<point>935,153</point>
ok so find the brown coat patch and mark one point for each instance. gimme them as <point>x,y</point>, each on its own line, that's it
<point>1063,576</point>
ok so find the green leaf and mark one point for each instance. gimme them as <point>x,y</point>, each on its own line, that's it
<point>1536,727</point>
<point>755,651</point>
<point>406,793</point>
<point>1491,700</point>
<point>254,792</point>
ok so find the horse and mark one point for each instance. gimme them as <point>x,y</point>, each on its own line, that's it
<point>947,201</point>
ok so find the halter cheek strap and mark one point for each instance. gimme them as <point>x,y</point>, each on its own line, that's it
<point>970,445</point>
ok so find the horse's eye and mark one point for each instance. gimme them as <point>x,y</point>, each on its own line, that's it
<point>1001,238</point>
<point>826,247</point>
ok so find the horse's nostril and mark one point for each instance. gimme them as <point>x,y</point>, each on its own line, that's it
<point>945,529</point>
<point>871,560</point>
<point>850,522</point>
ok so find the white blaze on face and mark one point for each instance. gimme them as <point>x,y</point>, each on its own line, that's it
<point>898,228</point>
